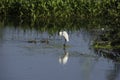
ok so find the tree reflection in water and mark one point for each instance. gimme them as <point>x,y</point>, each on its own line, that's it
<point>115,73</point>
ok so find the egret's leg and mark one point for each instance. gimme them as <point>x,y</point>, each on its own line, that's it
<point>64,45</point>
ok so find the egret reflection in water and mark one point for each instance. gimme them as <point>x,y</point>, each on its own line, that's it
<point>64,58</point>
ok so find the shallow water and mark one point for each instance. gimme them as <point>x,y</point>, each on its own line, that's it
<point>21,60</point>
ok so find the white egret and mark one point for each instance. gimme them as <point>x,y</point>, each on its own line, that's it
<point>65,35</point>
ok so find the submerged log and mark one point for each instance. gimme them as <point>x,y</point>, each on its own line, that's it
<point>41,41</point>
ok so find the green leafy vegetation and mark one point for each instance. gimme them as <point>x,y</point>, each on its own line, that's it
<point>60,8</point>
<point>110,40</point>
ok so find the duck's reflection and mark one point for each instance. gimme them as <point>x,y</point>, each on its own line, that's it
<point>64,58</point>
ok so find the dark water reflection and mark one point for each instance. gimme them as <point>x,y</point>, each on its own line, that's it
<point>21,60</point>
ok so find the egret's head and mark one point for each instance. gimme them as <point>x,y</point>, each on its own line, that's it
<point>60,33</point>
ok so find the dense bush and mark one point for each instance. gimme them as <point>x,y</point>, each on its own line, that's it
<point>60,8</point>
